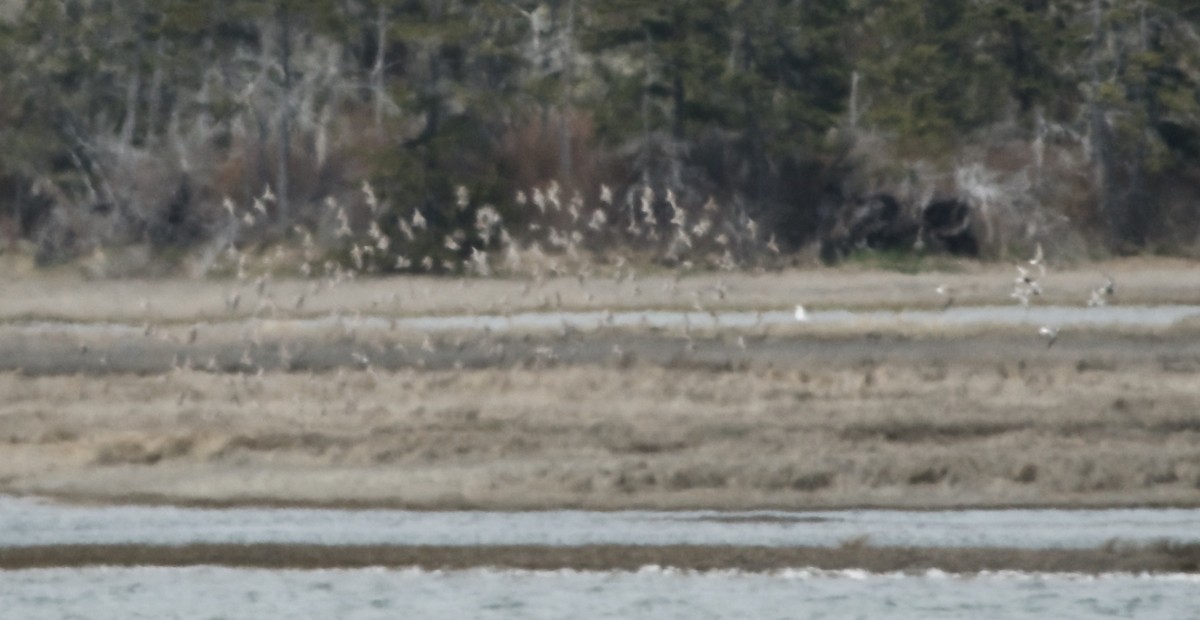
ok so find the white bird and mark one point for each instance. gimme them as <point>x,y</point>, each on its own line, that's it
<point>1024,277</point>
<point>801,314</point>
<point>1050,333</point>
<point>1021,295</point>
<point>948,293</point>
<point>1101,294</point>
<point>1038,260</point>
<point>597,220</point>
<point>772,245</point>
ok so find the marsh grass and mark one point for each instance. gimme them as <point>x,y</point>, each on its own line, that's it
<point>978,432</point>
<point>787,416</point>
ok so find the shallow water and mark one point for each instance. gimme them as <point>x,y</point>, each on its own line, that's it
<point>1008,315</point>
<point>27,521</point>
<point>101,593</point>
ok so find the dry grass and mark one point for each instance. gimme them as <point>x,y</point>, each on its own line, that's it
<point>948,432</point>
<point>607,418</point>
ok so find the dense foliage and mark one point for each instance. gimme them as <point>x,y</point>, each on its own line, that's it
<point>197,126</point>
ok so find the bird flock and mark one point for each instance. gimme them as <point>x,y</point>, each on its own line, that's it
<point>1027,286</point>
<point>552,234</point>
<point>561,241</point>
<point>602,246</point>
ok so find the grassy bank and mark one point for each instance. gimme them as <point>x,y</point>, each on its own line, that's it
<point>1161,558</point>
<point>942,428</point>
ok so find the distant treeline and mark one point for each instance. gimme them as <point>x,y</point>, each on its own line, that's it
<point>752,126</point>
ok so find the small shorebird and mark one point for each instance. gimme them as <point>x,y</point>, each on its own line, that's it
<point>1026,279</point>
<point>1038,260</point>
<point>772,245</point>
<point>948,293</point>
<point>801,314</point>
<point>1101,294</point>
<point>1050,334</point>
<point>1021,295</point>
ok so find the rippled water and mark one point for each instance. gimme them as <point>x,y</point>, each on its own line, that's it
<point>229,593</point>
<point>1134,316</point>
<point>213,592</point>
<point>27,521</point>
<point>1149,316</point>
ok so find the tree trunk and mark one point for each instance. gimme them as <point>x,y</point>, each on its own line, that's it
<point>132,90</point>
<point>377,72</point>
<point>647,82</point>
<point>285,117</point>
<point>564,131</point>
<point>154,106</point>
<point>131,103</point>
<point>1101,145</point>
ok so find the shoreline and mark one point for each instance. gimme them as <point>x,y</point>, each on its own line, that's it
<point>359,505</point>
<point>1112,558</point>
<point>181,301</point>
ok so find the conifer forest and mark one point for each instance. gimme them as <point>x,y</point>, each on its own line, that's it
<point>478,136</point>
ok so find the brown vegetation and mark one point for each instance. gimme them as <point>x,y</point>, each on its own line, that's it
<point>832,426</point>
<point>1157,558</point>
<point>196,402</point>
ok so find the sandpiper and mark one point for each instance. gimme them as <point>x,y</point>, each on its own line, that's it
<point>1038,260</point>
<point>948,293</point>
<point>1021,295</point>
<point>1026,279</point>
<point>1101,294</point>
<point>1050,334</point>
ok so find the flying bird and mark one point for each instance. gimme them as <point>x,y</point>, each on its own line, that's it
<point>1021,295</point>
<point>1038,260</point>
<point>1025,278</point>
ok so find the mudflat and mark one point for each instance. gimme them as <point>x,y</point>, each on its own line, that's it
<point>1162,558</point>
<point>196,401</point>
